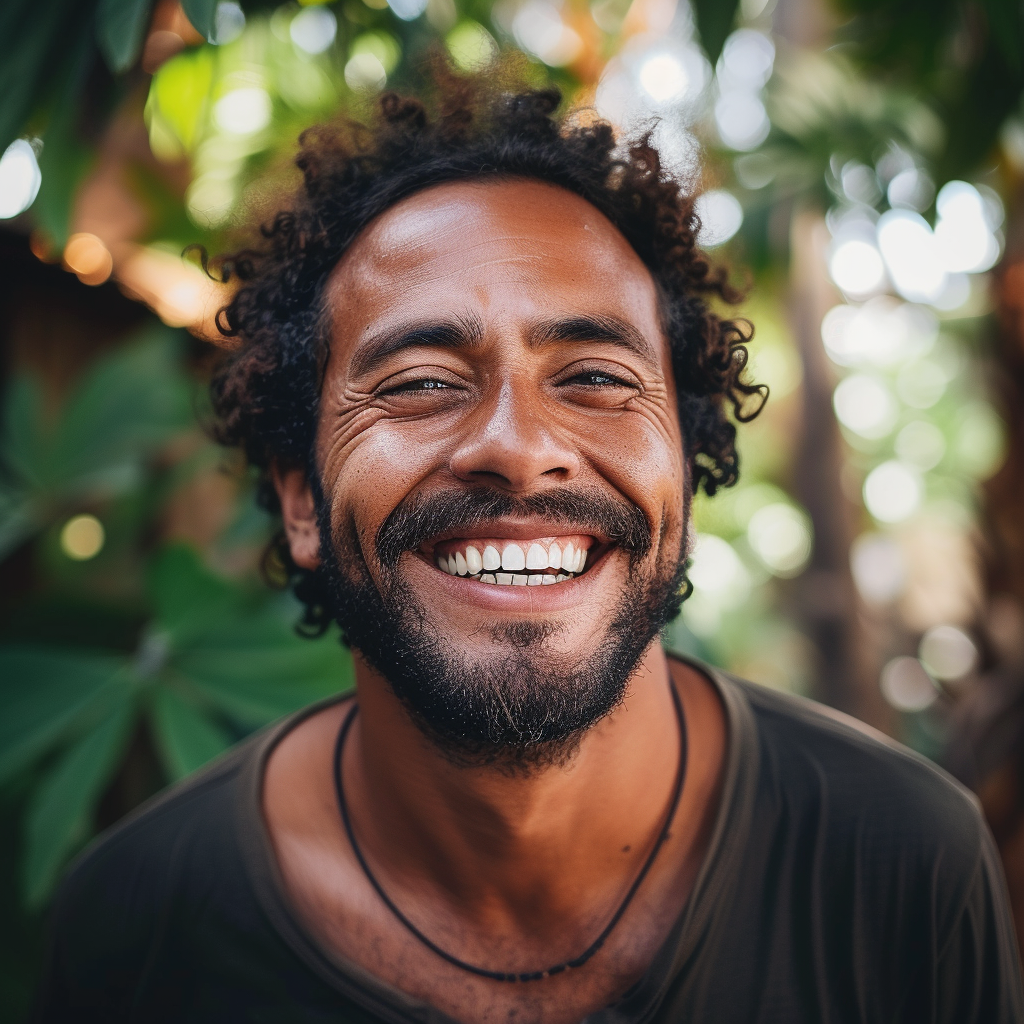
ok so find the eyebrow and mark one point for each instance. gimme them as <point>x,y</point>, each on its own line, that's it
<point>462,332</point>
<point>459,332</point>
<point>610,329</point>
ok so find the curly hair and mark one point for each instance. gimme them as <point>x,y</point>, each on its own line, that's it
<point>266,395</point>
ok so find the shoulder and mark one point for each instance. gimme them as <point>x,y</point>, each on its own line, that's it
<point>802,741</point>
<point>875,813</point>
<point>159,862</point>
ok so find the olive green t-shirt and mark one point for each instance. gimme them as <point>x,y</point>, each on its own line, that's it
<point>847,880</point>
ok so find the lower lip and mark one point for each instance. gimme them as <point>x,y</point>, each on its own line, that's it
<point>511,599</point>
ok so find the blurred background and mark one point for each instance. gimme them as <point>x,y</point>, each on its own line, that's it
<point>861,164</point>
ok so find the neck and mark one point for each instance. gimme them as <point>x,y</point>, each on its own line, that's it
<point>514,850</point>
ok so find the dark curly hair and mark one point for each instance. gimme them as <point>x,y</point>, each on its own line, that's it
<point>266,395</point>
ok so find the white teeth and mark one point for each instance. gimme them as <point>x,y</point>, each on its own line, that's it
<point>513,558</point>
<point>536,557</point>
<point>568,562</point>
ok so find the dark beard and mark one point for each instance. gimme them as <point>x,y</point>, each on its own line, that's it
<point>521,710</point>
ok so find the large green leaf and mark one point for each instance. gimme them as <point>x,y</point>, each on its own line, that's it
<point>202,14</point>
<point>66,157</point>
<point>120,28</point>
<point>186,738</point>
<point>715,20</point>
<point>46,693</point>
<point>60,812</point>
<point>128,403</point>
<point>30,33</point>
<point>255,667</point>
<point>22,442</point>
<point>188,598</point>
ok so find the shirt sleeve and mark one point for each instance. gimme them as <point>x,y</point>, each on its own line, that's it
<point>978,970</point>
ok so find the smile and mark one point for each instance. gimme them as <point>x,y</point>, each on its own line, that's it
<point>546,561</point>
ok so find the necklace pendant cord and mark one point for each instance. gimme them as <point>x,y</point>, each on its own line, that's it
<point>483,972</point>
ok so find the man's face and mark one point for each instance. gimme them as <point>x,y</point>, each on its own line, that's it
<point>499,389</point>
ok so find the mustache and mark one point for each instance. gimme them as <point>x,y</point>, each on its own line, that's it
<point>421,517</point>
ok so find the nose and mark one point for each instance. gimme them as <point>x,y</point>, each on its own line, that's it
<point>511,443</point>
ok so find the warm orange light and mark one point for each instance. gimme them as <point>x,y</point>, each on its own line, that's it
<point>89,258</point>
<point>177,291</point>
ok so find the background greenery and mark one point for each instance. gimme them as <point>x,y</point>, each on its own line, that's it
<point>137,640</point>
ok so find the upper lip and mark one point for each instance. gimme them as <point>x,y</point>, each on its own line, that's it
<point>512,530</point>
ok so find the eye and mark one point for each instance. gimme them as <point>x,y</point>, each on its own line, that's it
<point>598,379</point>
<point>423,384</point>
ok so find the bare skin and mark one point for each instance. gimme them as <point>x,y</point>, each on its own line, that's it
<point>511,873</point>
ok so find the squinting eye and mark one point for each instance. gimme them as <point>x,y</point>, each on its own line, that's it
<point>598,379</point>
<point>418,385</point>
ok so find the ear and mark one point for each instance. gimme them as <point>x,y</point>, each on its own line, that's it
<point>299,514</point>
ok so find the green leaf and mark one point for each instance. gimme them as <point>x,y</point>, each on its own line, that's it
<point>186,595</point>
<point>256,669</point>
<point>202,14</point>
<point>129,402</point>
<point>18,521</point>
<point>65,159</point>
<point>46,693</point>
<point>30,33</point>
<point>59,814</point>
<point>715,20</point>
<point>22,444</point>
<point>120,28</point>
<point>185,736</point>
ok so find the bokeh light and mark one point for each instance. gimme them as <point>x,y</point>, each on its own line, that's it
<point>540,30</point>
<point>907,686</point>
<point>865,405</point>
<point>19,179</point>
<point>229,23</point>
<point>313,29</point>
<point>965,240</point>
<point>82,537</point>
<point>948,653</point>
<point>856,267</point>
<point>911,255</point>
<point>87,257</point>
<point>921,443</point>
<point>720,216</point>
<point>780,536</point>
<point>893,491</point>
<point>879,568</point>
<point>243,111</point>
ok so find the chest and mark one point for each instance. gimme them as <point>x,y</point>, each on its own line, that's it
<point>352,923</point>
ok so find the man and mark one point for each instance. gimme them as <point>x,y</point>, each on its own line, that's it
<point>479,375</point>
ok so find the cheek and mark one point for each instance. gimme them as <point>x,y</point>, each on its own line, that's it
<point>375,469</point>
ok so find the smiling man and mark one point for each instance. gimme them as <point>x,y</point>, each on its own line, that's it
<point>479,374</point>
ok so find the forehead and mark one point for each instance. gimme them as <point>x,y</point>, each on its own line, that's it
<point>508,249</point>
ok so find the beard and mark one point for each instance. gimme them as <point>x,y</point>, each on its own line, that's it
<point>526,706</point>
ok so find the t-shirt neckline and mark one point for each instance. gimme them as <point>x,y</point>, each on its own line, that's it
<point>721,861</point>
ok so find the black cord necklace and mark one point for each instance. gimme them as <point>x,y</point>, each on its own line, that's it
<point>511,975</point>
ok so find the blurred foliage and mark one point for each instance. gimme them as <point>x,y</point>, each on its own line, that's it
<point>171,653</point>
